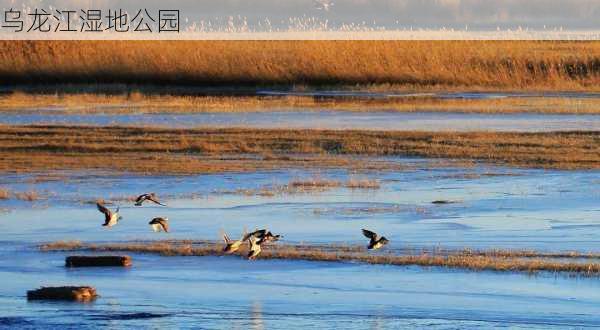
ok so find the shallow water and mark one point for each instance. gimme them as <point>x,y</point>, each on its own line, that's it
<point>225,293</point>
<point>442,95</point>
<point>372,120</point>
<point>495,207</point>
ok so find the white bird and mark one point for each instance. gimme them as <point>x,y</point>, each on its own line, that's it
<point>254,248</point>
<point>110,218</point>
<point>323,4</point>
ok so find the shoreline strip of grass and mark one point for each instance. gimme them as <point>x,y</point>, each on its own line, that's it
<point>493,260</point>
<point>186,151</point>
<point>138,102</point>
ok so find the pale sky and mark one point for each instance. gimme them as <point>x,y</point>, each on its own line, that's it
<point>477,14</point>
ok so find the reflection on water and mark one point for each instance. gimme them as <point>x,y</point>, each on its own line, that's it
<point>256,316</point>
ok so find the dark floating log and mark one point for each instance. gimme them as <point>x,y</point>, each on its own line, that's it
<point>443,201</point>
<point>98,261</point>
<point>71,293</point>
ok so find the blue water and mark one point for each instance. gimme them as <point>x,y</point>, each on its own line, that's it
<point>495,207</point>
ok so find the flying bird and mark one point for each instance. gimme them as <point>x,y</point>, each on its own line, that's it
<point>262,236</point>
<point>110,218</point>
<point>159,224</point>
<point>324,5</point>
<point>147,197</point>
<point>258,234</point>
<point>377,242</point>
<point>233,246</point>
<point>254,248</point>
<point>269,237</point>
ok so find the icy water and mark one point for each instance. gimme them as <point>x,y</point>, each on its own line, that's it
<point>372,120</point>
<point>494,207</point>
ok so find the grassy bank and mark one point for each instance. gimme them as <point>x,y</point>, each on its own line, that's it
<point>494,260</point>
<point>473,65</point>
<point>140,102</point>
<point>158,150</point>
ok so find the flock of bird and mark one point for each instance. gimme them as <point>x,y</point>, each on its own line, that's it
<point>255,239</point>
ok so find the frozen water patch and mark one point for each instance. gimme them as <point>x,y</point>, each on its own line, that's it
<point>372,120</point>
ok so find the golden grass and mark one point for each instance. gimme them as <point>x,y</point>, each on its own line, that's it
<point>138,102</point>
<point>494,260</point>
<point>156,150</point>
<point>301,186</point>
<point>369,184</point>
<point>515,65</point>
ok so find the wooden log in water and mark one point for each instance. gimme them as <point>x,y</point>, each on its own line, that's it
<point>71,293</point>
<point>98,261</point>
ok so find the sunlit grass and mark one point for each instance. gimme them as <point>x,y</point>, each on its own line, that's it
<point>492,260</point>
<point>147,102</point>
<point>158,150</point>
<point>513,65</point>
<point>28,196</point>
<point>4,193</point>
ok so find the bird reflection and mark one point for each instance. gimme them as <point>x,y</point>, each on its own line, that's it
<point>256,316</point>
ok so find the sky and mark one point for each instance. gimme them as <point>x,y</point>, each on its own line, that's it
<point>389,14</point>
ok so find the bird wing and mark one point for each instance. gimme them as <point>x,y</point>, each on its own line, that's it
<point>256,234</point>
<point>165,226</point>
<point>259,233</point>
<point>369,234</point>
<point>141,198</point>
<point>106,211</point>
<point>154,199</point>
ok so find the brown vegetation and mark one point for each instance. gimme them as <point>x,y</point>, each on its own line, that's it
<point>28,196</point>
<point>299,186</point>
<point>4,193</point>
<point>515,65</point>
<point>154,150</point>
<point>128,102</point>
<point>496,260</point>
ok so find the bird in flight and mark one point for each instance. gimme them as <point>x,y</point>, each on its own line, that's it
<point>376,241</point>
<point>110,218</point>
<point>233,246</point>
<point>147,197</point>
<point>263,236</point>
<point>254,248</point>
<point>324,5</point>
<point>159,224</point>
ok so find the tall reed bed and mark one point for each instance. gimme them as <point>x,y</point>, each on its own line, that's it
<point>515,65</point>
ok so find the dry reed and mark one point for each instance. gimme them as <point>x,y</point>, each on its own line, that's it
<point>28,196</point>
<point>4,193</point>
<point>514,65</point>
<point>155,150</point>
<point>494,260</point>
<point>137,102</point>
